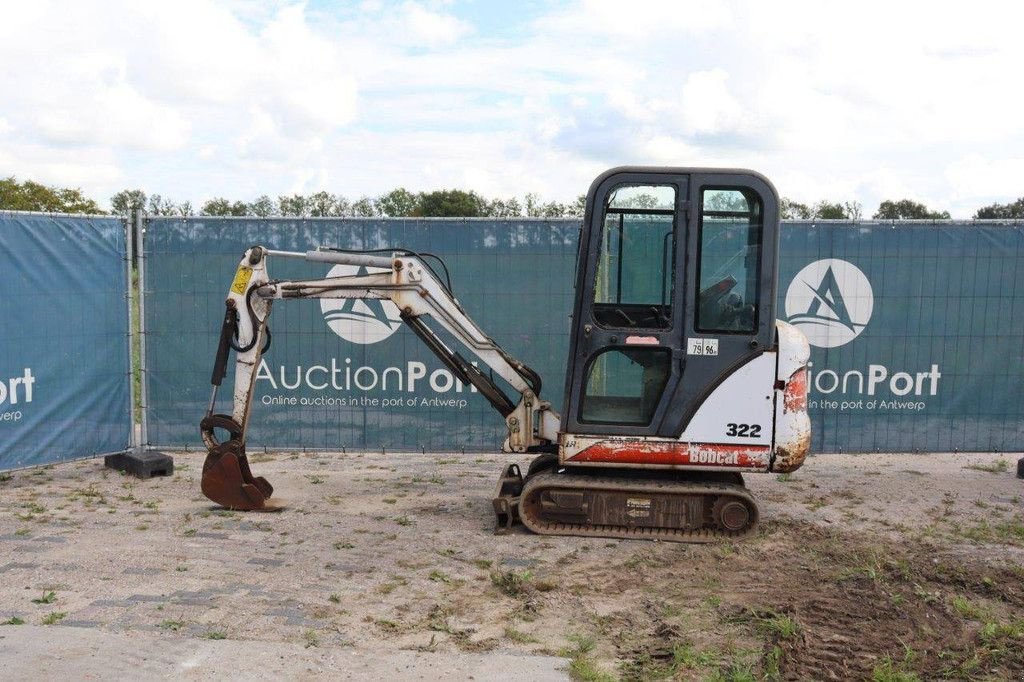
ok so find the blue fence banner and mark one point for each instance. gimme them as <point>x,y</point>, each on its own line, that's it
<point>64,377</point>
<point>916,333</point>
<point>917,339</point>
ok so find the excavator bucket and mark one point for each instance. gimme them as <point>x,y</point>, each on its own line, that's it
<point>228,481</point>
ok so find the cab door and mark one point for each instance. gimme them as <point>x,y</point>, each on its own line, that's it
<point>675,291</point>
<point>625,353</point>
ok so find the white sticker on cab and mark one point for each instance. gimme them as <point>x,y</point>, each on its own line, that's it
<point>702,347</point>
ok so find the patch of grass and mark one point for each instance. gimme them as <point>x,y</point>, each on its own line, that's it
<point>47,598</point>
<point>13,620</point>
<point>54,617</point>
<point>334,599</point>
<point>768,623</point>
<point>172,625</point>
<point>997,467</point>
<point>483,564</point>
<point>189,532</point>
<point>519,637</point>
<point>403,521</point>
<point>968,609</point>
<point>312,639</point>
<point>684,657</point>
<point>785,478</point>
<point>389,587</point>
<point>778,625</point>
<point>390,500</point>
<point>1009,532</point>
<point>214,634</point>
<point>316,480</point>
<point>22,532</point>
<point>388,625</point>
<point>888,671</point>
<point>343,545</point>
<point>713,601</point>
<point>584,669</point>
<point>581,666</point>
<point>5,477</point>
<point>439,576</point>
<point>512,583</point>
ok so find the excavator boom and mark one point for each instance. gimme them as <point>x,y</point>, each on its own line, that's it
<point>411,285</point>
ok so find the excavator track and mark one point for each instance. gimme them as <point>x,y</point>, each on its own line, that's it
<point>666,509</point>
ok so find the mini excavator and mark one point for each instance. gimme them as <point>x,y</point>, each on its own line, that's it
<point>679,377</point>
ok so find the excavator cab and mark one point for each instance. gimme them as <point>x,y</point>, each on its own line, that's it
<point>676,287</point>
<point>680,379</point>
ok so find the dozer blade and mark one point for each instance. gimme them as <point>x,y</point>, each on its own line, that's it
<point>228,481</point>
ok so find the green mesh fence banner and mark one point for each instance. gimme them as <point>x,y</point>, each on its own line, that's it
<point>64,380</point>
<point>916,332</point>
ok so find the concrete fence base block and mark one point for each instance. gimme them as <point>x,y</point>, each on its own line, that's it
<point>143,464</point>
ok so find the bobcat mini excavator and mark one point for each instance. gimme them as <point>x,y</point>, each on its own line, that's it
<point>679,377</point>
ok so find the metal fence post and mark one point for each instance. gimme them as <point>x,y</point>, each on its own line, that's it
<point>144,392</point>
<point>129,231</point>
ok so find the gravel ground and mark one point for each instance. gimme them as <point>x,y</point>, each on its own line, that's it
<point>390,559</point>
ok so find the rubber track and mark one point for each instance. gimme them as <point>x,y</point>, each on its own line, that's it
<point>539,482</point>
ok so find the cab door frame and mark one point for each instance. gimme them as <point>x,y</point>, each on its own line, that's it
<point>589,338</point>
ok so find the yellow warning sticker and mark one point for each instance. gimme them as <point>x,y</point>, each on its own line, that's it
<point>242,278</point>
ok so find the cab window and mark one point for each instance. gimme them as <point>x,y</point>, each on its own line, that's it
<point>634,279</point>
<point>728,261</point>
<point>624,385</point>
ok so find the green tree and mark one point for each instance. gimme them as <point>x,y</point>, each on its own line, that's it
<point>218,206</point>
<point>825,210</point>
<point>451,203</point>
<point>398,203</point>
<point>794,210</point>
<point>127,201</point>
<point>158,205</point>
<point>33,196</point>
<point>323,205</point>
<point>552,209</point>
<point>504,208</point>
<point>578,207</point>
<point>532,205</point>
<point>364,207</point>
<point>905,209</point>
<point>1002,211</point>
<point>239,208</point>
<point>296,205</point>
<point>263,206</point>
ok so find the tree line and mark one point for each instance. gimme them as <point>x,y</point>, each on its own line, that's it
<point>400,202</point>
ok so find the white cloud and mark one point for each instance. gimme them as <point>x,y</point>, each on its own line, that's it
<point>432,28</point>
<point>978,176</point>
<point>197,98</point>
<point>707,105</point>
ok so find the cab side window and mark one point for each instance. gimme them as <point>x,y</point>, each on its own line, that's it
<point>728,262</point>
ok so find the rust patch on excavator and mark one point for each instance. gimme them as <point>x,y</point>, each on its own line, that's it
<point>668,453</point>
<point>795,395</point>
<point>791,458</point>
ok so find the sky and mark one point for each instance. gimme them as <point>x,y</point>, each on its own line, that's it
<point>853,101</point>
